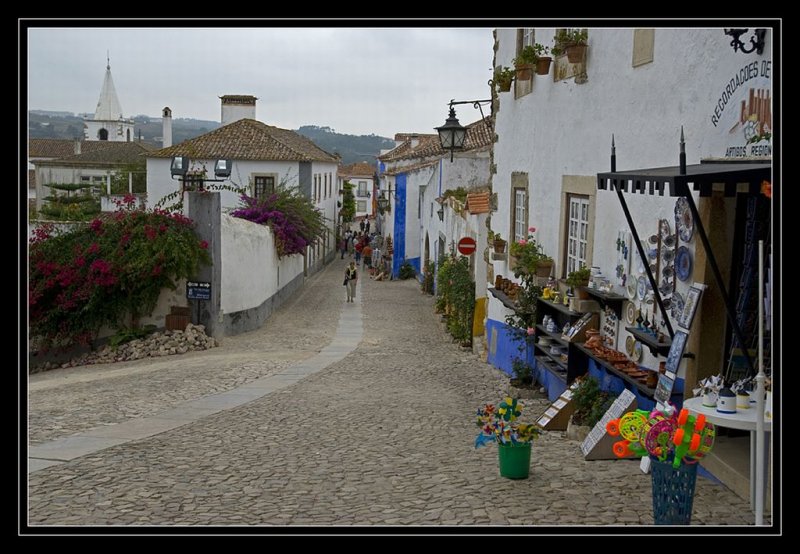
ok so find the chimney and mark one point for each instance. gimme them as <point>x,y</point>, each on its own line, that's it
<point>77,146</point>
<point>237,106</point>
<point>166,125</point>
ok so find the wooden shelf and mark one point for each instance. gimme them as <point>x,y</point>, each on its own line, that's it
<point>656,348</point>
<point>555,336</point>
<point>561,308</point>
<point>504,298</point>
<point>559,375</point>
<point>644,389</point>
<point>608,298</point>
<point>556,359</point>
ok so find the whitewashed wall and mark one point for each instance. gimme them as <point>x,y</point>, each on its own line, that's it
<point>251,270</point>
<point>562,128</point>
<point>160,182</point>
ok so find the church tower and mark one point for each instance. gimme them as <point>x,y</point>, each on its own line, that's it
<point>108,123</point>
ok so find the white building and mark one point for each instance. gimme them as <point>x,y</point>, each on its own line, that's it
<point>263,157</point>
<point>415,175</point>
<point>641,85</point>
<point>361,176</point>
<point>108,123</point>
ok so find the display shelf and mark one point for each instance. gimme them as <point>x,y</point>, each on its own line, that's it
<point>656,348</point>
<point>561,308</point>
<point>608,299</point>
<point>553,357</point>
<point>555,336</point>
<point>541,361</point>
<point>644,389</point>
<point>504,298</point>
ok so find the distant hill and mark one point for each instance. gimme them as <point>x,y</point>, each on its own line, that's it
<point>352,148</point>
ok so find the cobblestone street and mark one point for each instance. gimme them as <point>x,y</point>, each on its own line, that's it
<point>382,437</point>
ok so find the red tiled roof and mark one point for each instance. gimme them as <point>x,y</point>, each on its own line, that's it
<point>478,203</point>
<point>358,169</point>
<point>113,153</point>
<point>480,134</point>
<point>248,139</point>
<point>60,148</point>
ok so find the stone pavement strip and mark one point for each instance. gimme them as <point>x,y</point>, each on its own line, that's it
<point>376,428</point>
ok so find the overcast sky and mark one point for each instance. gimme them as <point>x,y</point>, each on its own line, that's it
<point>357,81</point>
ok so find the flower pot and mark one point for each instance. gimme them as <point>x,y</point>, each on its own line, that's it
<point>524,71</point>
<point>581,292</point>
<point>504,86</point>
<point>499,246</point>
<point>576,53</point>
<point>543,65</point>
<point>515,460</point>
<point>543,268</point>
<point>673,492</point>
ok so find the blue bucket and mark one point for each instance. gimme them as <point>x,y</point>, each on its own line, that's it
<point>673,492</point>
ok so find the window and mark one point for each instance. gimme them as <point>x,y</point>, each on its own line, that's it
<point>361,206</point>
<point>362,188</point>
<point>263,185</point>
<point>525,37</point>
<point>643,43</point>
<point>102,134</point>
<point>98,178</point>
<point>577,232</point>
<point>85,179</point>
<point>520,214</point>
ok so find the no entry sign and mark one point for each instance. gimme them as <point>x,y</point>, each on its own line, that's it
<point>466,246</point>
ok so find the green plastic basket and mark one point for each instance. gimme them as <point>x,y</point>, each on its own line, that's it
<point>515,460</point>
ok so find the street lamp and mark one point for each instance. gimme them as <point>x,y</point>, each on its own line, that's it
<point>452,134</point>
<point>179,167</point>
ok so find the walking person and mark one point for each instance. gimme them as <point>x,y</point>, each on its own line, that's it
<point>361,225</point>
<point>343,246</point>
<point>350,280</point>
<point>366,227</point>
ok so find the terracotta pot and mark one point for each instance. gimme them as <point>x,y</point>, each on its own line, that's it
<point>543,268</point>
<point>498,281</point>
<point>581,292</point>
<point>524,71</point>
<point>576,53</point>
<point>543,65</point>
<point>499,246</point>
<point>504,86</point>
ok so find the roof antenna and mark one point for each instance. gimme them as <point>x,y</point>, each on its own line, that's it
<point>108,61</point>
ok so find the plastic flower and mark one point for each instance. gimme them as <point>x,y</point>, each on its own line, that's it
<point>499,424</point>
<point>531,229</point>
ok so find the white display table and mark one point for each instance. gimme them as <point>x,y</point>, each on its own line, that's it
<point>744,420</point>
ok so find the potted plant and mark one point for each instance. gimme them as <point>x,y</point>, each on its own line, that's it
<point>530,256</point>
<point>572,42</point>
<point>499,244</point>
<point>524,63</point>
<point>579,279</point>
<point>542,59</point>
<point>503,77</point>
<point>499,424</point>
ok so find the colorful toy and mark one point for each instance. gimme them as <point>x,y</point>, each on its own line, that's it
<point>630,427</point>
<point>693,438</point>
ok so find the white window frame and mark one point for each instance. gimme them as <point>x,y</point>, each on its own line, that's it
<point>528,37</point>
<point>577,232</point>
<point>359,204</point>
<point>520,213</point>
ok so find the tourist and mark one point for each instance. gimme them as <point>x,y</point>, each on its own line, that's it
<point>350,280</point>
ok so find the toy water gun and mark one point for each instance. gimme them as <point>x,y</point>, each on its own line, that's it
<point>630,427</point>
<point>693,438</point>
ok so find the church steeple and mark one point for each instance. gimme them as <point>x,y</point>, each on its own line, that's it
<point>108,122</point>
<point>108,108</point>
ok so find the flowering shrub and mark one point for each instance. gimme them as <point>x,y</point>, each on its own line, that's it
<point>499,424</point>
<point>295,222</point>
<point>528,252</point>
<point>98,274</point>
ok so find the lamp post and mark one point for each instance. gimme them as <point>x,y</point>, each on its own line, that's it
<point>452,134</point>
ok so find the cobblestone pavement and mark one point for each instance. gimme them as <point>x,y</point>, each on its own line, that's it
<point>384,437</point>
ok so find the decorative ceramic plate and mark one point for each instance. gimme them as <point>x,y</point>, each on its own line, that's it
<point>641,287</point>
<point>668,254</point>
<point>629,345</point>
<point>683,264</point>
<point>684,220</point>
<point>637,351</point>
<point>677,305</point>
<point>630,313</point>
<point>631,288</point>
<point>663,228</point>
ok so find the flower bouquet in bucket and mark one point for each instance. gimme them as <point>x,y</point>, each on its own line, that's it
<point>675,442</point>
<point>499,424</point>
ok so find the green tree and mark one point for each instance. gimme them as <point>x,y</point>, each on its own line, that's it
<point>348,211</point>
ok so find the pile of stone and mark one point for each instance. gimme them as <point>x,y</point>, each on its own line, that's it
<point>164,343</point>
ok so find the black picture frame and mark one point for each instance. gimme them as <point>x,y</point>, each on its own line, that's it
<point>690,304</point>
<point>676,351</point>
